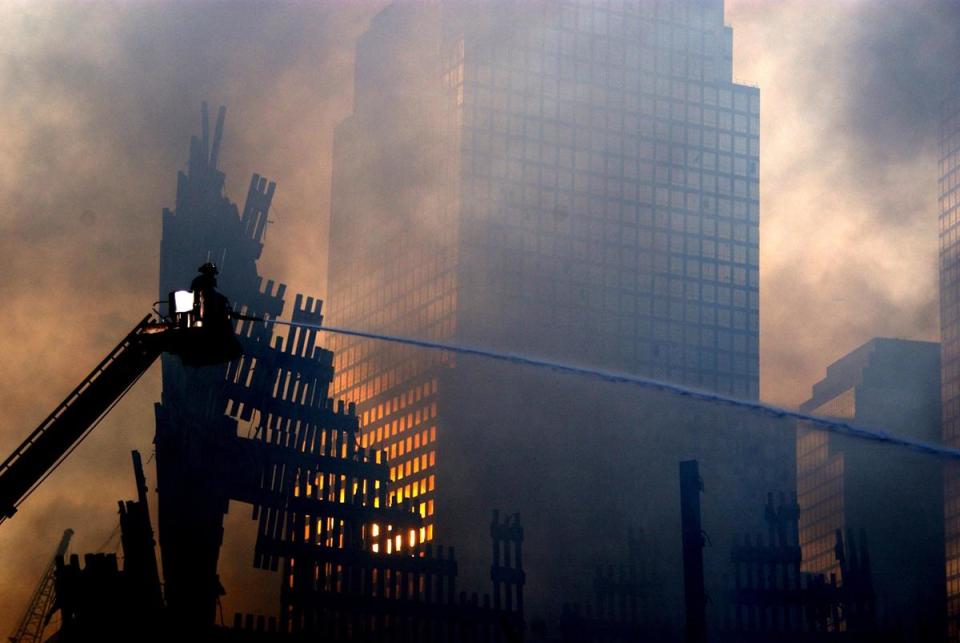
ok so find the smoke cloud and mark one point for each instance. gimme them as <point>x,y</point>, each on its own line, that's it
<point>850,94</point>
<point>100,101</point>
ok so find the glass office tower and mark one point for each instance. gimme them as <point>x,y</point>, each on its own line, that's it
<point>576,180</point>
<point>950,342</point>
<point>892,496</point>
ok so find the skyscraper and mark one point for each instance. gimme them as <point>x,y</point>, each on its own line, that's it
<point>950,341</point>
<point>894,496</point>
<point>578,180</point>
<point>575,180</point>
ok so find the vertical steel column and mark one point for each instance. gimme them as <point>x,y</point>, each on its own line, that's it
<point>694,593</point>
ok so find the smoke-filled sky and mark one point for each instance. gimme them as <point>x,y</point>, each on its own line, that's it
<point>98,100</point>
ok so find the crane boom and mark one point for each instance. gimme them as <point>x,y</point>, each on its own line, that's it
<point>34,621</point>
<point>73,417</point>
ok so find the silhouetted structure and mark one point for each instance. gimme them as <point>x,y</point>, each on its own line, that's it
<point>139,546</point>
<point>627,605</point>
<point>351,556</point>
<point>772,598</point>
<point>691,534</point>
<point>315,492</point>
<point>373,586</point>
<point>37,615</point>
<point>99,600</point>
<point>191,422</point>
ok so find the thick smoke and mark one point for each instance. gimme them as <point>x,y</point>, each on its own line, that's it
<point>99,104</point>
<point>900,60</point>
<point>850,94</point>
<point>100,101</point>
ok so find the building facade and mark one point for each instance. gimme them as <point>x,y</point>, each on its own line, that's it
<point>950,339</point>
<point>573,180</point>
<point>895,497</point>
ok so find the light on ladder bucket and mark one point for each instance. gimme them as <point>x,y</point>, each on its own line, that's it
<point>183,301</point>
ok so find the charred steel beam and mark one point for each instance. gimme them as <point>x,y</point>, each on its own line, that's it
<point>244,461</point>
<point>694,593</point>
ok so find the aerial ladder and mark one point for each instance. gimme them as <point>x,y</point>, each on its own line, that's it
<point>197,328</point>
<point>35,619</point>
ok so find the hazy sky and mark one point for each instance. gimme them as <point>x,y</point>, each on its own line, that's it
<point>99,101</point>
<point>848,153</point>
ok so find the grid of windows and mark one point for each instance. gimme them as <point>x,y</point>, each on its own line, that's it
<point>600,194</point>
<point>393,251</point>
<point>820,492</point>
<point>610,192</point>
<point>950,343</point>
<point>402,285</point>
<point>396,388</point>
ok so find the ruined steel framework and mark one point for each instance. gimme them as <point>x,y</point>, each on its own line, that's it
<point>352,559</point>
<point>100,601</point>
<point>772,598</point>
<point>314,491</point>
<point>627,606</point>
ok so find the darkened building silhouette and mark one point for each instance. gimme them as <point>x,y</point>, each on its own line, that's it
<point>768,596</point>
<point>950,338</point>
<point>576,181</point>
<point>625,606</point>
<point>263,431</point>
<point>315,491</point>
<point>893,494</point>
<point>192,417</point>
<point>771,598</point>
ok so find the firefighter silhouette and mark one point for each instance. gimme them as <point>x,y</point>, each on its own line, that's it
<point>210,306</point>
